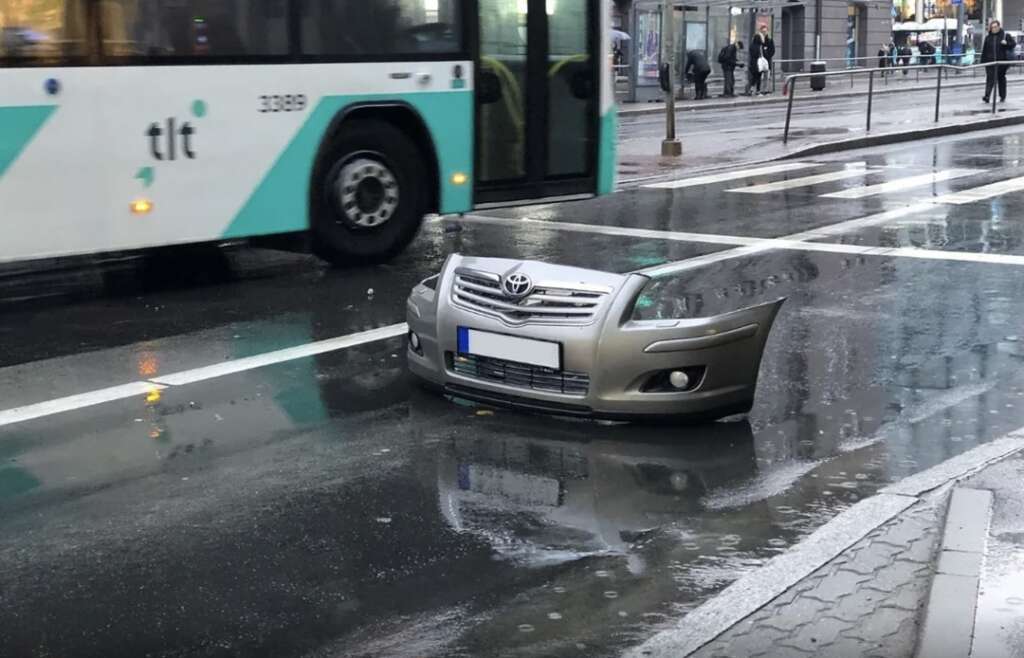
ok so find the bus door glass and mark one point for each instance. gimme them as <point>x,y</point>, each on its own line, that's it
<point>536,99</point>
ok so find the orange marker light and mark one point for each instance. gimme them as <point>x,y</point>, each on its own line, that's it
<point>141,207</point>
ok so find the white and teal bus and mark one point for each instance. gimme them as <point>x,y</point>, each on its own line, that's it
<point>132,124</point>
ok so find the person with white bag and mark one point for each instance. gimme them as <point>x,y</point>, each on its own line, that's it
<point>762,49</point>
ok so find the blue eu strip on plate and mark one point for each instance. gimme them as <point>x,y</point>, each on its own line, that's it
<point>463,334</point>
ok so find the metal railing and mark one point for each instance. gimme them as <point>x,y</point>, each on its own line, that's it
<point>790,87</point>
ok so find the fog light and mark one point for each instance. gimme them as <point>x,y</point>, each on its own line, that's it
<point>414,341</point>
<point>679,379</point>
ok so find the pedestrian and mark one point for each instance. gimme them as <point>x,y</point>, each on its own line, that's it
<point>998,47</point>
<point>697,69</point>
<point>927,52</point>
<point>905,55</point>
<point>728,58</point>
<point>759,61</point>
<point>883,58</point>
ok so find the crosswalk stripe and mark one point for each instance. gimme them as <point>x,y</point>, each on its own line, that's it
<point>982,193</point>
<point>730,175</point>
<point>901,184</point>
<point>856,169</point>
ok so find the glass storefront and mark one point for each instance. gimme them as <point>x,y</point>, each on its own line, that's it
<point>706,27</point>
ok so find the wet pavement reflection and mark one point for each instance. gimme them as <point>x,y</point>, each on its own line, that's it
<point>327,506</point>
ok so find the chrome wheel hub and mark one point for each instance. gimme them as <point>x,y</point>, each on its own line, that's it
<point>367,192</point>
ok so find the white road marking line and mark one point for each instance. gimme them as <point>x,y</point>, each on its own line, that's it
<point>796,240</point>
<point>901,184</point>
<point>983,193</point>
<point>91,398</point>
<point>807,181</point>
<point>730,175</point>
<point>748,246</point>
<point>78,401</point>
<point>851,225</point>
<point>959,256</point>
<point>279,356</point>
<point>575,227</point>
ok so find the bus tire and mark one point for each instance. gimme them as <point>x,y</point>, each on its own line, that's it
<point>368,194</point>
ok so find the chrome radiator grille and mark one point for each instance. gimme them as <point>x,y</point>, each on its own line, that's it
<point>481,292</point>
<point>521,375</point>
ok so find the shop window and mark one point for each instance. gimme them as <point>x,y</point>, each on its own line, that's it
<point>43,30</point>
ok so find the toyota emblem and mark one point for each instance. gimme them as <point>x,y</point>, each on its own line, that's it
<point>517,285</point>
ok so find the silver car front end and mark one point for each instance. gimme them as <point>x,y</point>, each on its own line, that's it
<point>563,340</point>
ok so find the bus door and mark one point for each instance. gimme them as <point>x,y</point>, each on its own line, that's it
<point>537,86</point>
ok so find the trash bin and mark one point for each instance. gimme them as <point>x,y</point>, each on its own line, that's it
<point>817,81</point>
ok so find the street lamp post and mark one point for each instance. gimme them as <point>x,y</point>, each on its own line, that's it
<point>670,146</point>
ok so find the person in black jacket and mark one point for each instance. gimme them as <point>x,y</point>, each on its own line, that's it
<point>927,51</point>
<point>698,69</point>
<point>883,58</point>
<point>998,47</point>
<point>762,45</point>
<point>728,58</point>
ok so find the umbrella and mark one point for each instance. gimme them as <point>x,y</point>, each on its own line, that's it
<point>618,36</point>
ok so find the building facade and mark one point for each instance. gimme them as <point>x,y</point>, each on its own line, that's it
<point>841,32</point>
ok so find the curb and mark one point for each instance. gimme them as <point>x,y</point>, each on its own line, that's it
<point>950,611</point>
<point>756,589</point>
<point>904,136</point>
<point>659,108</point>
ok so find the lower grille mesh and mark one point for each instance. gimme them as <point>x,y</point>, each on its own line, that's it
<point>521,375</point>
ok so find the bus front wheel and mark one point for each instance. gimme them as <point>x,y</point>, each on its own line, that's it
<point>368,196</point>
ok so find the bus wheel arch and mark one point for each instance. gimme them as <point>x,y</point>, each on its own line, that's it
<point>368,191</point>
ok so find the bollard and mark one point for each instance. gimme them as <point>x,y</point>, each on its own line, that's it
<point>871,93</point>
<point>789,113</point>
<point>995,92</point>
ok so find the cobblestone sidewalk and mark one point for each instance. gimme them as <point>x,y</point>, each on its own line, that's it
<point>866,602</point>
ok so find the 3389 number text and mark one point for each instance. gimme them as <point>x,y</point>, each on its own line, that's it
<point>282,103</point>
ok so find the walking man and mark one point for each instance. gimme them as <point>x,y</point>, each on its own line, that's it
<point>698,69</point>
<point>998,47</point>
<point>728,58</point>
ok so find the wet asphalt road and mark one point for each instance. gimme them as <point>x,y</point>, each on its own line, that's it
<point>326,506</point>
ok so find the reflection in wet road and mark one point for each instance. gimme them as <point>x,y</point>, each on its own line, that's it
<point>326,506</point>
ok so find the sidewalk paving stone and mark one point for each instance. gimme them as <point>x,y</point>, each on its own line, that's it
<point>867,601</point>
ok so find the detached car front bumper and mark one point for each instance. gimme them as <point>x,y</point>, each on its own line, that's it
<point>563,340</point>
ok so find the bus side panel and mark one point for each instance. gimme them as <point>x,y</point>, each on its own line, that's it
<point>608,128</point>
<point>283,192</point>
<point>51,190</point>
<point>217,151</point>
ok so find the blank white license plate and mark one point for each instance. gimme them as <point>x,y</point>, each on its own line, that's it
<point>510,348</point>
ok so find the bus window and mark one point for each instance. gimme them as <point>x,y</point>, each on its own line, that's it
<point>501,129</point>
<point>384,27</point>
<point>190,28</point>
<point>44,30</point>
<point>571,89</point>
